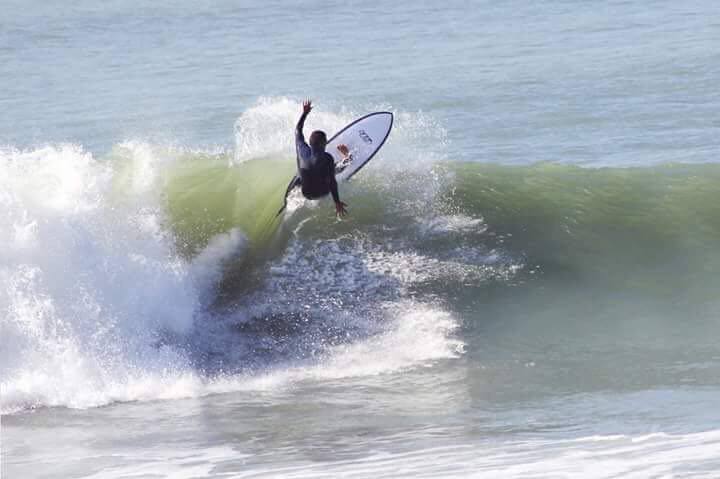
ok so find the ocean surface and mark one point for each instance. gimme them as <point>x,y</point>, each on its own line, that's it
<point>527,284</point>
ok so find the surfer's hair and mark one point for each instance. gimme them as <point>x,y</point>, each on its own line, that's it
<point>318,140</point>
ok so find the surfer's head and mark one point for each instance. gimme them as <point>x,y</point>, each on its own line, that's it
<point>318,140</point>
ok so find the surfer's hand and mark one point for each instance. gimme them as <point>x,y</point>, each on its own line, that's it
<point>307,106</point>
<point>343,150</point>
<point>340,208</point>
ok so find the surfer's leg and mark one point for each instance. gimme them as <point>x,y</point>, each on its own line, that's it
<point>294,183</point>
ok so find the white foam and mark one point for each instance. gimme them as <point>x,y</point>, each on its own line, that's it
<point>413,268</point>
<point>443,224</point>
<point>692,455</point>
<point>681,455</point>
<point>207,267</point>
<point>418,335</point>
<point>414,335</point>
<point>267,128</point>
<point>90,283</point>
<point>175,463</point>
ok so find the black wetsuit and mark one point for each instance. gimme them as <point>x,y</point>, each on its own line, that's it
<point>316,168</point>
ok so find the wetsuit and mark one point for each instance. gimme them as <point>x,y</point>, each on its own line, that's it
<point>316,168</point>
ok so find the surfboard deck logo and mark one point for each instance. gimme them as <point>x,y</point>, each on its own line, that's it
<point>364,136</point>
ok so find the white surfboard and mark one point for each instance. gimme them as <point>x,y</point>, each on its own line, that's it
<point>363,137</point>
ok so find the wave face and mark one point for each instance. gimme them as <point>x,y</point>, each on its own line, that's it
<point>161,272</point>
<point>648,228</point>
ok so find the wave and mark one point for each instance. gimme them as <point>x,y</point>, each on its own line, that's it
<point>158,271</point>
<point>117,271</point>
<point>648,228</point>
<point>651,231</point>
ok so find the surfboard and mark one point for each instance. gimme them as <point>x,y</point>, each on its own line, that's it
<point>364,137</point>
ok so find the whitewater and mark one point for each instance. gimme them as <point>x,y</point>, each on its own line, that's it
<point>526,285</point>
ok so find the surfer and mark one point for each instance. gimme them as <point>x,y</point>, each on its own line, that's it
<point>316,167</point>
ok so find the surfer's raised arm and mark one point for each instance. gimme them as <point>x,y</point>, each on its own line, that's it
<point>301,147</point>
<point>299,137</point>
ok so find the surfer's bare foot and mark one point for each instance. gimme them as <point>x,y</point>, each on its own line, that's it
<point>344,150</point>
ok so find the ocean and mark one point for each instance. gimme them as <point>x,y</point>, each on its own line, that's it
<point>527,284</point>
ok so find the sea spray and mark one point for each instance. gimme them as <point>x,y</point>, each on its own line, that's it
<point>89,284</point>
